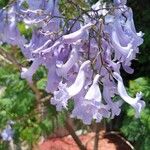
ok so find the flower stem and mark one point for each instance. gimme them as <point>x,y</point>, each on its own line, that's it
<point>97,136</point>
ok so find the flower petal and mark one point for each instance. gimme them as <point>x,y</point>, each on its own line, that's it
<point>77,86</point>
<point>28,73</point>
<point>94,91</point>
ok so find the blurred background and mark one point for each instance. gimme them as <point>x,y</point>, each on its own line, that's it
<point>18,100</point>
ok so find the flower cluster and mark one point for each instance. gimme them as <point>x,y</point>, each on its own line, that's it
<point>83,59</point>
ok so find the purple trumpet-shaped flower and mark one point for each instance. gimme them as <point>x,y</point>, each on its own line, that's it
<point>62,69</point>
<point>28,73</point>
<point>36,4</point>
<point>108,93</point>
<point>64,93</point>
<point>77,35</point>
<point>120,2</point>
<point>120,50</point>
<point>53,79</point>
<point>86,111</point>
<point>77,86</point>
<point>61,97</point>
<point>9,32</point>
<point>50,50</point>
<point>94,95</point>
<point>124,39</point>
<point>7,133</point>
<point>94,91</point>
<point>91,107</point>
<point>129,28</point>
<point>136,102</point>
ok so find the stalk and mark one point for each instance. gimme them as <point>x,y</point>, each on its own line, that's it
<point>74,136</point>
<point>96,140</point>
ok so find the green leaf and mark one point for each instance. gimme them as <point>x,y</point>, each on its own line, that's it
<point>41,84</point>
<point>130,112</point>
<point>3,3</point>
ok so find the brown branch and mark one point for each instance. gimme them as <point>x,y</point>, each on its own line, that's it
<point>74,136</point>
<point>9,58</point>
<point>96,141</point>
<point>121,137</point>
<point>43,100</point>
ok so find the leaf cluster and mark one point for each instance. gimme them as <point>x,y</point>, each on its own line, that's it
<point>18,102</point>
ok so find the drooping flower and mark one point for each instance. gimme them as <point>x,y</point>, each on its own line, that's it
<point>108,94</point>
<point>94,91</point>
<point>64,93</point>
<point>136,102</point>
<point>28,73</point>
<point>94,96</point>
<point>62,69</point>
<point>53,79</point>
<point>90,106</point>
<point>120,2</point>
<point>77,35</point>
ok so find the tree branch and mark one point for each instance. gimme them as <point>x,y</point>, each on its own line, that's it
<point>96,141</point>
<point>74,136</point>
